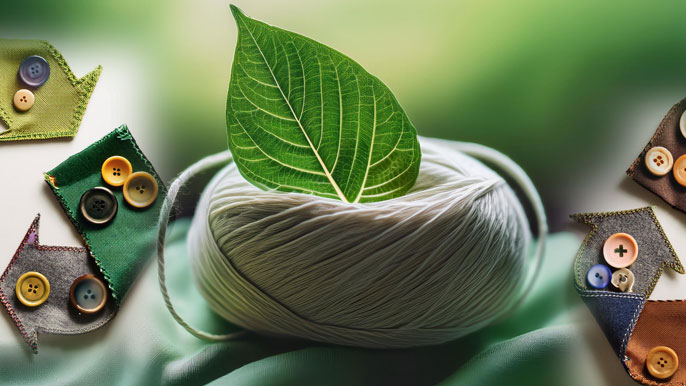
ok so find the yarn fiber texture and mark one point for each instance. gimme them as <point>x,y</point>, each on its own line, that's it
<point>444,260</point>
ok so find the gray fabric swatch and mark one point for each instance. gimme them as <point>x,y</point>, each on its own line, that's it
<point>655,252</point>
<point>61,266</point>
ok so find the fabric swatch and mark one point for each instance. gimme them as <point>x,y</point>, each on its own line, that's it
<point>59,103</point>
<point>655,252</point>
<point>616,314</point>
<point>667,135</point>
<point>121,247</point>
<point>61,266</point>
<point>660,324</point>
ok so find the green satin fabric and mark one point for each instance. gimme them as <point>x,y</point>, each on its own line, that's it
<point>551,339</point>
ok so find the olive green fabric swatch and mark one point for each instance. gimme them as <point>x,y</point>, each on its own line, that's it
<point>60,102</point>
<point>122,246</point>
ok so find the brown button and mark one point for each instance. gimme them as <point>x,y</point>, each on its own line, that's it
<point>679,170</point>
<point>23,100</point>
<point>662,362</point>
<point>140,189</point>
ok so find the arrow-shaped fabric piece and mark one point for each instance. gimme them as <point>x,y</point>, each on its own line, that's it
<point>655,252</point>
<point>59,103</point>
<point>669,136</point>
<point>61,266</point>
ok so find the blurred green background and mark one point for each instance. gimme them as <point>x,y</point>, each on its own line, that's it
<point>546,82</point>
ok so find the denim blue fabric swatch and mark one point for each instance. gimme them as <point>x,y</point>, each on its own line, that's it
<point>616,313</point>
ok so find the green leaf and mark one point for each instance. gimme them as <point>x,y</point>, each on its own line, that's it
<point>303,117</point>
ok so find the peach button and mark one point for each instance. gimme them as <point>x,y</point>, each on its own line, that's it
<point>679,170</point>
<point>620,250</point>
<point>23,100</point>
<point>662,362</point>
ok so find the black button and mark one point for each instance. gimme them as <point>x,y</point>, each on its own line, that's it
<point>98,205</point>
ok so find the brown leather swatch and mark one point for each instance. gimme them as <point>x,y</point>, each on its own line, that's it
<point>661,323</point>
<point>668,135</point>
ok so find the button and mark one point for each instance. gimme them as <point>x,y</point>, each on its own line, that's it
<point>23,100</point>
<point>98,205</point>
<point>682,124</point>
<point>659,161</point>
<point>662,362</point>
<point>620,250</point>
<point>623,279</point>
<point>140,189</point>
<point>680,170</point>
<point>88,294</point>
<point>115,170</point>
<point>34,71</point>
<point>32,289</point>
<point>599,276</point>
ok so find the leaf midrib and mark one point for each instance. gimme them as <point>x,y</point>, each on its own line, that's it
<point>309,142</point>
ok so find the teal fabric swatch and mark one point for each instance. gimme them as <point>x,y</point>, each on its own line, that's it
<point>121,247</point>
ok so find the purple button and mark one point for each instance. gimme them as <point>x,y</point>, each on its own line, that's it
<point>34,71</point>
<point>599,276</point>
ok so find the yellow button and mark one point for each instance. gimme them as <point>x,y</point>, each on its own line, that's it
<point>659,161</point>
<point>662,362</point>
<point>679,170</point>
<point>23,100</point>
<point>32,289</point>
<point>115,170</point>
<point>140,189</point>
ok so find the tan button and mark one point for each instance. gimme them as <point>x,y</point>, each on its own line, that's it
<point>623,279</point>
<point>659,161</point>
<point>682,124</point>
<point>679,170</point>
<point>620,250</point>
<point>32,289</point>
<point>23,100</point>
<point>115,170</point>
<point>662,362</point>
<point>140,189</point>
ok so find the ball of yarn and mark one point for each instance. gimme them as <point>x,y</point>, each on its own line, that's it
<point>438,263</point>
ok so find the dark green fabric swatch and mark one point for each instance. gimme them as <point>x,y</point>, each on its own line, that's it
<point>121,247</point>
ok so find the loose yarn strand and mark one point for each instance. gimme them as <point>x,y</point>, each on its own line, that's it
<point>458,213</point>
<point>206,163</point>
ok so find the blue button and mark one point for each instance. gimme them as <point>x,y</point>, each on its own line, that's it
<point>88,294</point>
<point>34,71</point>
<point>599,276</point>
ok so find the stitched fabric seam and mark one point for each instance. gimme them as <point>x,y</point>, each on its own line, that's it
<point>84,88</point>
<point>587,218</point>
